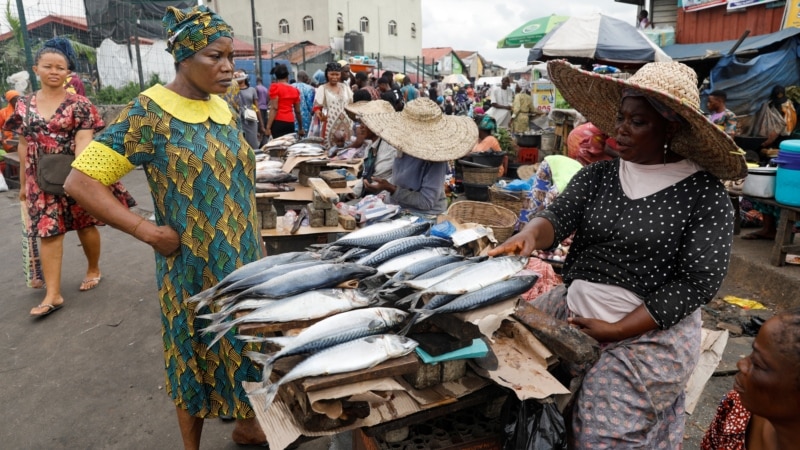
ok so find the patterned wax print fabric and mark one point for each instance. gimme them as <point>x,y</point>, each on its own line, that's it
<point>50,214</point>
<point>307,93</point>
<point>728,430</point>
<point>201,174</point>
<point>726,121</point>
<point>633,396</point>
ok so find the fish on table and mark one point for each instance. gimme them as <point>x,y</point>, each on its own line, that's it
<point>334,330</point>
<point>358,354</point>
<point>402,246</point>
<point>308,305</point>
<point>379,233</point>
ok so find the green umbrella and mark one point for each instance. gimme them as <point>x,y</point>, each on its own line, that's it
<point>530,33</point>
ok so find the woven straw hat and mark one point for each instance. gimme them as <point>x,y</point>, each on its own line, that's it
<point>423,131</point>
<point>358,109</point>
<point>674,84</point>
<point>526,172</point>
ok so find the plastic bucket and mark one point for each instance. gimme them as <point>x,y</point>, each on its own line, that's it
<point>760,182</point>
<point>787,180</point>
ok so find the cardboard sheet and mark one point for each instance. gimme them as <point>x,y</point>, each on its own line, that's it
<point>712,346</point>
<point>282,429</point>
<point>520,366</point>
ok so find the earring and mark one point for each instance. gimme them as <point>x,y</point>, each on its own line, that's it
<point>666,149</point>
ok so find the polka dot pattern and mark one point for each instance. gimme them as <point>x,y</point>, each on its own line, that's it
<point>671,248</point>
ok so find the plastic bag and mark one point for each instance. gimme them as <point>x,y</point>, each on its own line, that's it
<point>443,230</point>
<point>3,184</point>
<point>533,425</point>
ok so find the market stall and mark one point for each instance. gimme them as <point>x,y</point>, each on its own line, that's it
<point>338,361</point>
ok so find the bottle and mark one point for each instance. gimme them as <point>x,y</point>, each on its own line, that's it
<point>288,219</point>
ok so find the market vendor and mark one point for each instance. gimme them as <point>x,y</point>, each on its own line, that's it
<point>206,224</point>
<point>653,233</point>
<point>426,140</point>
<point>487,142</point>
<point>379,156</point>
<point>720,114</point>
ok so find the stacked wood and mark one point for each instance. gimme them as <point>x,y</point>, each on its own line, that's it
<point>333,178</point>
<point>267,215</point>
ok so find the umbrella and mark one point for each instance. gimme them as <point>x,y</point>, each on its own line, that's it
<point>455,78</point>
<point>531,32</point>
<point>598,37</point>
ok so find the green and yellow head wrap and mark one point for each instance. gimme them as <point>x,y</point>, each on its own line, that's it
<point>192,29</point>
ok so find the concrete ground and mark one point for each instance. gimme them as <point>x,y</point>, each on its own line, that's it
<point>91,375</point>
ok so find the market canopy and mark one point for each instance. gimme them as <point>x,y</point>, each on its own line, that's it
<point>597,37</point>
<point>531,32</point>
<point>692,52</point>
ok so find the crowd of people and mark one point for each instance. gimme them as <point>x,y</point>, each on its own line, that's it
<point>640,268</point>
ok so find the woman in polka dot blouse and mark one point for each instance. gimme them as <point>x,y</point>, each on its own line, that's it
<point>653,231</point>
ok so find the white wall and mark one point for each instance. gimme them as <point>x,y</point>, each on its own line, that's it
<point>324,13</point>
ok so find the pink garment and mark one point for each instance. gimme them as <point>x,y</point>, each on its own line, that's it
<point>586,144</point>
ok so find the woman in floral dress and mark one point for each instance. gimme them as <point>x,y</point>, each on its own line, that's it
<point>52,120</point>
<point>329,102</point>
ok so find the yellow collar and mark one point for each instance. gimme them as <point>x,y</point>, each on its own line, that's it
<point>188,110</point>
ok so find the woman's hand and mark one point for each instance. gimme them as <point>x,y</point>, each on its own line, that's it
<point>522,243</point>
<point>23,194</point>
<point>163,239</point>
<point>601,330</point>
<point>301,132</point>
<point>379,184</point>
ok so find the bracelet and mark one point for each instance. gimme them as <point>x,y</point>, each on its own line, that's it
<point>133,231</point>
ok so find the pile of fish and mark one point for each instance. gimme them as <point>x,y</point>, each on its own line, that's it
<point>380,279</point>
<point>305,149</point>
<point>270,172</point>
<point>282,142</point>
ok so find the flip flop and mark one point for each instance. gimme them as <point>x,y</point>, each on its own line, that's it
<point>50,309</point>
<point>90,283</point>
<point>757,237</point>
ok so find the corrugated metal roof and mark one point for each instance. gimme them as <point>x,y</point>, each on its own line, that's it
<point>717,24</point>
<point>689,52</point>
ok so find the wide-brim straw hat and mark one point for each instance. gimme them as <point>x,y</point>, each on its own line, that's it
<point>526,172</point>
<point>423,131</point>
<point>673,84</point>
<point>359,109</point>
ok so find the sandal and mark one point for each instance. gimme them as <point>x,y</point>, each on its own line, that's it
<point>90,283</point>
<point>50,309</point>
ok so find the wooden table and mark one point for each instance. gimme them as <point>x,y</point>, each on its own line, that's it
<point>784,235</point>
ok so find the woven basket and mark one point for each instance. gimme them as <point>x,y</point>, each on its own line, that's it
<point>500,219</point>
<point>510,200</point>
<point>477,175</point>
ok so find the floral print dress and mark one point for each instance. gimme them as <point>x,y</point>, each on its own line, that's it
<point>51,214</point>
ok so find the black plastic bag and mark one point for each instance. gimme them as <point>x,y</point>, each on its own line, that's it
<point>533,425</point>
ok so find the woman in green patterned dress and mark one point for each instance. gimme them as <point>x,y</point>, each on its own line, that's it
<point>201,174</point>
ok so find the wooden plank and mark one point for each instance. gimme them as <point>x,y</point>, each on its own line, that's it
<point>391,368</point>
<point>303,231</point>
<point>565,341</point>
<point>304,193</point>
<point>321,187</point>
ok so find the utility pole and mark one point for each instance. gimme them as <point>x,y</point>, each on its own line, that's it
<point>256,43</point>
<point>27,43</point>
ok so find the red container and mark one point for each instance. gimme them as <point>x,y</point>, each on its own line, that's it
<point>528,155</point>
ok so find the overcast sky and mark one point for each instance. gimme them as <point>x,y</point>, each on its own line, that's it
<point>461,24</point>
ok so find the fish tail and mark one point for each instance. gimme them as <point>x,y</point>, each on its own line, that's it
<point>201,296</point>
<point>422,314</point>
<point>409,300</point>
<point>267,361</point>
<point>411,321</point>
<point>272,391</point>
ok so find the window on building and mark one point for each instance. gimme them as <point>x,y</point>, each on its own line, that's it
<point>364,25</point>
<point>283,26</point>
<point>339,22</point>
<point>392,28</point>
<point>413,30</point>
<point>308,23</point>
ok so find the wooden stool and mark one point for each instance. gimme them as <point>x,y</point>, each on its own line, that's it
<point>784,235</point>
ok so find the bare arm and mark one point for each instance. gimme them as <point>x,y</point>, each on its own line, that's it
<point>98,200</point>
<point>637,322</point>
<point>299,116</point>
<point>22,151</point>
<point>273,110</point>
<point>538,234</point>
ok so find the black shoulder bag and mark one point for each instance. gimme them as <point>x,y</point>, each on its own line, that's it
<point>51,168</point>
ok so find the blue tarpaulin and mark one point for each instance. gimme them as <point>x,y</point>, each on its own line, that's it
<point>748,84</point>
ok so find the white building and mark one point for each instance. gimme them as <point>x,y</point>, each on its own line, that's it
<point>388,27</point>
